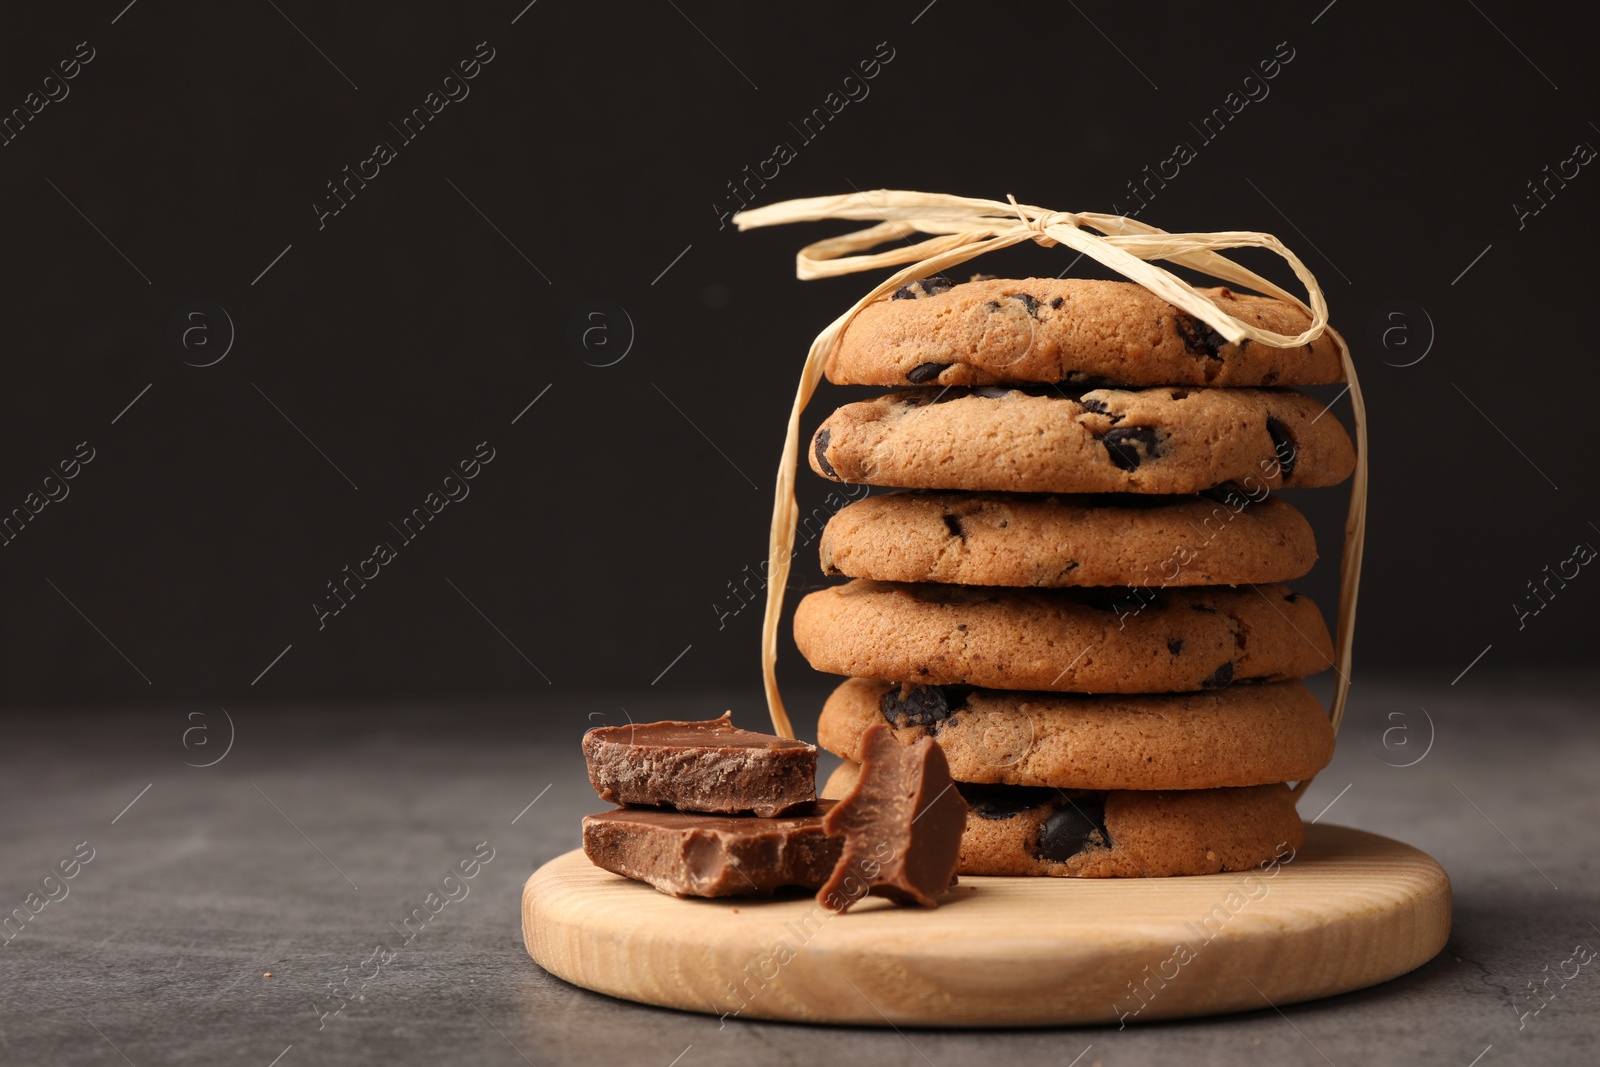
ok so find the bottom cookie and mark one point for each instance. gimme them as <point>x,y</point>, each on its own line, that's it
<point>1072,833</point>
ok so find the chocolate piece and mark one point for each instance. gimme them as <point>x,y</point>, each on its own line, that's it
<point>1283,445</point>
<point>1175,645</point>
<point>701,766</point>
<point>821,449</point>
<point>712,855</point>
<point>901,825</point>
<point>922,705</point>
<point>1199,336</point>
<point>1127,446</point>
<point>925,372</point>
<point>931,286</point>
<point>1220,677</point>
<point>1028,303</point>
<point>1077,825</point>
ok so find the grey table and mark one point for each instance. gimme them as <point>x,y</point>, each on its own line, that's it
<point>311,842</point>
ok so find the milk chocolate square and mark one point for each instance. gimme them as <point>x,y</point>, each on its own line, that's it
<point>708,766</point>
<point>689,855</point>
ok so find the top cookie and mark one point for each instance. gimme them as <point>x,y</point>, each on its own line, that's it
<point>1069,330</point>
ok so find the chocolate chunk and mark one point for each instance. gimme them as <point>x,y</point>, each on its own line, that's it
<point>1220,677</point>
<point>926,287</point>
<point>1028,302</point>
<point>925,372</point>
<point>1206,608</point>
<point>713,855</point>
<point>1128,446</point>
<point>1291,597</point>
<point>953,524</point>
<point>992,305</point>
<point>1078,825</point>
<point>996,802</point>
<point>820,448</point>
<point>1198,336</point>
<point>1283,445</point>
<point>1057,302</point>
<point>1099,407</point>
<point>922,705</point>
<point>1175,645</point>
<point>701,766</point>
<point>901,825</point>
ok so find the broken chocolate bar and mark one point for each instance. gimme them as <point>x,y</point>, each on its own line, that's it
<point>701,766</point>
<point>901,825</point>
<point>712,855</point>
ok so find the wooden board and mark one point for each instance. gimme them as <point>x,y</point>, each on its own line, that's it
<point>1350,910</point>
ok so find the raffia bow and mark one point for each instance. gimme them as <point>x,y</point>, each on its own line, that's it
<point>964,228</point>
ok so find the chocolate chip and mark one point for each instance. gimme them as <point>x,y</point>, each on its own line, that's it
<point>926,287</point>
<point>992,305</point>
<point>1099,407</point>
<point>1057,302</point>
<point>1206,608</point>
<point>1291,597</point>
<point>1198,336</point>
<point>1269,378</point>
<point>1076,826</point>
<point>1219,677</point>
<point>1128,446</point>
<point>953,524</point>
<point>1179,394</point>
<point>1002,802</point>
<point>1028,302</point>
<point>921,705</point>
<point>1283,444</point>
<point>925,372</point>
<point>1175,645</point>
<point>820,449</point>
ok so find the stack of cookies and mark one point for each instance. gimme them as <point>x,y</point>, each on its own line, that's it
<point>1076,589</point>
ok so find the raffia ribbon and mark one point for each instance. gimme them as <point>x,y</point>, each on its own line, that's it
<point>964,228</point>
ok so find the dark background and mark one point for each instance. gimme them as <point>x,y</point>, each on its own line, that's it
<point>584,166</point>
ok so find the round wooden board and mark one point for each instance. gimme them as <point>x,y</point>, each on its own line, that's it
<point>1350,910</point>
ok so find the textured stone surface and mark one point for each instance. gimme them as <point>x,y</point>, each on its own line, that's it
<point>202,886</point>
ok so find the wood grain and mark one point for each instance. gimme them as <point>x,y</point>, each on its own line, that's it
<point>1350,910</point>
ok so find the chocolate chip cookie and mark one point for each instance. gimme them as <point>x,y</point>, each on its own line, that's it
<point>1167,440</point>
<point>1238,736</point>
<point>1223,538</point>
<point>1063,640</point>
<point>1067,833</point>
<point>1069,330</point>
